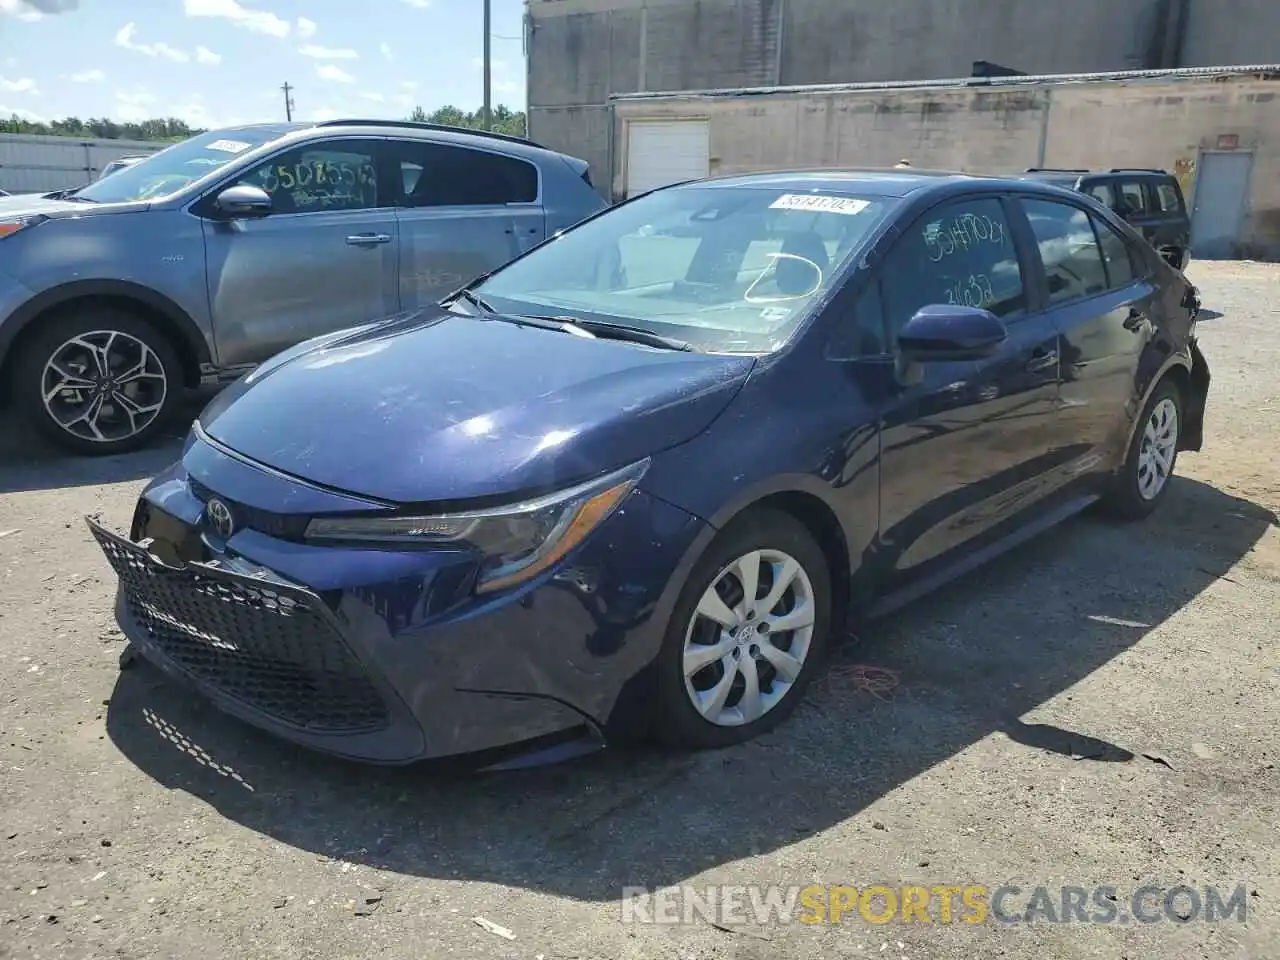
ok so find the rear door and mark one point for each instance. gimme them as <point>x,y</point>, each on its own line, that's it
<point>1101,303</point>
<point>462,211</point>
<point>963,450</point>
<point>325,258</point>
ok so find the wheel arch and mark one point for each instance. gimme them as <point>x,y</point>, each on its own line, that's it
<point>1184,373</point>
<point>156,308</point>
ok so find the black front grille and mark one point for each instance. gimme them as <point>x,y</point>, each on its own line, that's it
<point>264,644</point>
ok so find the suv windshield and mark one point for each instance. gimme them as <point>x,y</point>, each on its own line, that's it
<point>726,269</point>
<point>174,167</point>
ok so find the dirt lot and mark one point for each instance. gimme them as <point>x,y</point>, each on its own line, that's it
<point>1100,707</point>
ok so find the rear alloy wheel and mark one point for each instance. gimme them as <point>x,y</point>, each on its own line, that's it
<point>100,382</point>
<point>1143,481</point>
<point>743,644</point>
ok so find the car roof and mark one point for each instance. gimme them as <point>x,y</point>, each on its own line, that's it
<point>407,129</point>
<point>1073,176</point>
<point>896,182</point>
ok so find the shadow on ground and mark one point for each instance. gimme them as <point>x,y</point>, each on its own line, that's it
<point>972,660</point>
<point>32,463</point>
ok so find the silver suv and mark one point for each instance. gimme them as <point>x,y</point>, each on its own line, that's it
<point>201,261</point>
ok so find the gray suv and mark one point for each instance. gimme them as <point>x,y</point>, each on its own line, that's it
<point>197,263</point>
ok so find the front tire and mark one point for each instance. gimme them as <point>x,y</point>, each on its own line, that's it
<point>748,632</point>
<point>97,381</point>
<point>1143,481</point>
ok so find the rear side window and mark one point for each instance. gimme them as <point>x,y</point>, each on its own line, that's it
<point>442,175</point>
<point>1115,256</point>
<point>1167,196</point>
<point>959,253</point>
<point>1069,250</point>
<point>1132,198</point>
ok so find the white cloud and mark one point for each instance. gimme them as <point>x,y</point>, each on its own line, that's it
<point>259,21</point>
<point>419,4</point>
<point>373,97</point>
<point>306,28</point>
<point>409,84</point>
<point>21,114</point>
<point>331,71</point>
<point>21,85</point>
<point>506,86</point>
<point>386,51</point>
<point>320,114</point>
<point>87,76</point>
<point>133,106</point>
<point>208,57</point>
<point>328,53</point>
<point>124,38</point>
<point>21,10</point>
<point>495,65</point>
<point>196,112</point>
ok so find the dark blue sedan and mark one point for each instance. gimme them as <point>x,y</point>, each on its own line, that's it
<point>639,478</point>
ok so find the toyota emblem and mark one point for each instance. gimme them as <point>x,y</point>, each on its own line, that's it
<point>220,518</point>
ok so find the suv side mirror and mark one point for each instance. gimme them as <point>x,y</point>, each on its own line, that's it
<point>243,200</point>
<point>943,332</point>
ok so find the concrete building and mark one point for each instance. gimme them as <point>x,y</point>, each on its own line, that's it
<point>1218,130</point>
<point>582,52</point>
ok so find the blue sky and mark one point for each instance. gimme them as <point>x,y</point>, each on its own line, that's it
<point>219,62</point>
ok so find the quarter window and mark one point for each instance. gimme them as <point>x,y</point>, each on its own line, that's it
<point>1167,195</point>
<point>1068,248</point>
<point>961,253</point>
<point>441,175</point>
<point>1102,193</point>
<point>334,176</point>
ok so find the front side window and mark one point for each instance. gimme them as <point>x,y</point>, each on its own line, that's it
<point>319,177</point>
<point>169,170</point>
<point>960,253</point>
<point>441,175</point>
<point>730,269</point>
<point>1068,248</point>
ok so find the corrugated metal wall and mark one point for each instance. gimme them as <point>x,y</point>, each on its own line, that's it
<point>35,164</point>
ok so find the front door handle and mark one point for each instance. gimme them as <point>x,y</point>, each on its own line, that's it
<point>1042,360</point>
<point>362,239</point>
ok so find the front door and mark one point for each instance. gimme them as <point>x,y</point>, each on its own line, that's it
<point>963,449</point>
<point>1222,191</point>
<point>325,258</point>
<point>462,212</point>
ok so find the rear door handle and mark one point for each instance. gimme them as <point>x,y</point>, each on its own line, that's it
<point>1135,320</point>
<point>363,239</point>
<point>1042,360</point>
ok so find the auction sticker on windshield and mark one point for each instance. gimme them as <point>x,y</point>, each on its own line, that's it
<point>229,146</point>
<point>817,203</point>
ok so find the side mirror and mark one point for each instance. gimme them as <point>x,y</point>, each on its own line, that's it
<point>942,332</point>
<point>243,201</point>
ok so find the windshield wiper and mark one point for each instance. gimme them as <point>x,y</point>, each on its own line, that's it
<point>618,331</point>
<point>472,298</point>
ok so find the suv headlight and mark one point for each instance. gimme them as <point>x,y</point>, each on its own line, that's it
<point>517,541</point>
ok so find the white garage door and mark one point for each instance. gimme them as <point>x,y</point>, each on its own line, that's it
<point>660,152</point>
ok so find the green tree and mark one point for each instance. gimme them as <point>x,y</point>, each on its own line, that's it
<point>166,129</point>
<point>505,120</point>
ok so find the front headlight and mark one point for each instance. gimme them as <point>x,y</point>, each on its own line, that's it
<point>516,542</point>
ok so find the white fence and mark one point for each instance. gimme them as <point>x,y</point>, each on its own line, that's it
<point>36,164</point>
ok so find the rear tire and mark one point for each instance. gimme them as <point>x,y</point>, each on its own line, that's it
<point>1143,481</point>
<point>97,381</point>
<point>730,669</point>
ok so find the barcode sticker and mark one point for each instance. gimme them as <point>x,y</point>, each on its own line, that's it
<point>817,203</point>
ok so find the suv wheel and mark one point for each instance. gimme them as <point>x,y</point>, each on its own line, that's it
<point>97,381</point>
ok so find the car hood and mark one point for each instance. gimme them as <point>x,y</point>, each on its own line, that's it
<point>435,407</point>
<point>31,204</point>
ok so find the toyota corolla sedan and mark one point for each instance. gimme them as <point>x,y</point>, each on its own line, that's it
<point>637,480</point>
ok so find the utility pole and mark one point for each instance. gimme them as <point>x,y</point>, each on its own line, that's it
<point>487,114</point>
<point>288,101</point>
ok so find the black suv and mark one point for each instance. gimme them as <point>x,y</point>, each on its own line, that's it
<point>1150,200</point>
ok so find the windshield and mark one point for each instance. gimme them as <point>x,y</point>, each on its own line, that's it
<point>174,167</point>
<point>727,269</point>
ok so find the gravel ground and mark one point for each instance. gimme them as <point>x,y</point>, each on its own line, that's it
<point>1099,707</point>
